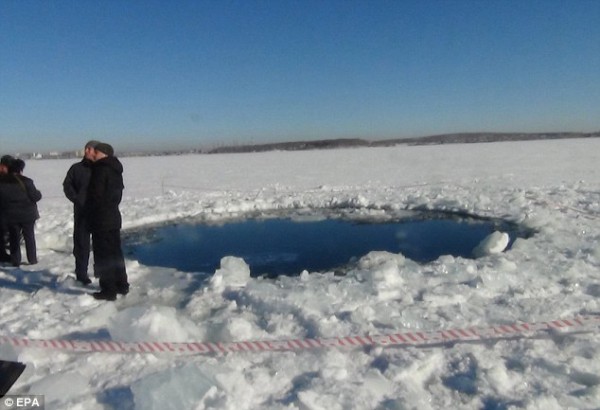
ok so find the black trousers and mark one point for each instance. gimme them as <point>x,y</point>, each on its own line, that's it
<point>109,263</point>
<point>4,256</point>
<point>81,245</point>
<point>14,237</point>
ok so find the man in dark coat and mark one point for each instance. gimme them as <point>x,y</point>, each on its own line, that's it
<point>75,187</point>
<point>105,191</point>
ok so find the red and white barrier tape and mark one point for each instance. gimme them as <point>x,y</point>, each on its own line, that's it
<point>415,338</point>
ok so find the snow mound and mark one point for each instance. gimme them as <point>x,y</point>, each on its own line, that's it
<point>383,272</point>
<point>154,323</point>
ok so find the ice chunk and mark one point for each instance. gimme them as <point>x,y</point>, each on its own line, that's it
<point>375,259</point>
<point>61,386</point>
<point>233,272</point>
<point>493,243</point>
<point>183,387</point>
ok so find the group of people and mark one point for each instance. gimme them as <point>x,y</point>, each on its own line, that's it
<point>18,211</point>
<point>95,186</point>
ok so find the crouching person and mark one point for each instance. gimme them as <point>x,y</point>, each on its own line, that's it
<point>18,204</point>
<point>104,195</point>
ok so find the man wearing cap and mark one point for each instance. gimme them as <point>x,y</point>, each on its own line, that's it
<point>102,206</point>
<point>75,188</point>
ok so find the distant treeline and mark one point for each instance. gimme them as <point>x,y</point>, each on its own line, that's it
<point>459,138</point>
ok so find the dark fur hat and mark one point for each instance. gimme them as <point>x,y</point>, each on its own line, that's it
<point>105,148</point>
<point>6,160</point>
<point>92,144</point>
<point>16,166</point>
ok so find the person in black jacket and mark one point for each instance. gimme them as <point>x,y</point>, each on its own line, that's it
<point>75,187</point>
<point>18,201</point>
<point>5,161</point>
<point>104,195</point>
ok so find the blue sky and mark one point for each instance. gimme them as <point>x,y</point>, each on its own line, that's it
<point>172,74</point>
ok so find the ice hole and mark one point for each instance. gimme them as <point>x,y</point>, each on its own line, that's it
<point>279,244</point>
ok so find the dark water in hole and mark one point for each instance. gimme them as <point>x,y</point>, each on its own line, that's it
<point>283,246</point>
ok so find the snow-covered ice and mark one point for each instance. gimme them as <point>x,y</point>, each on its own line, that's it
<point>551,186</point>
